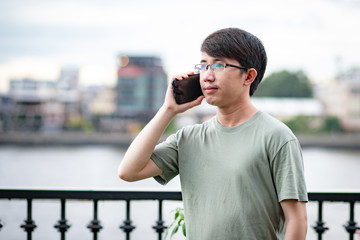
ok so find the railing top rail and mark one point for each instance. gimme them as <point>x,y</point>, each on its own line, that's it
<point>116,194</point>
<point>90,194</point>
<point>334,196</point>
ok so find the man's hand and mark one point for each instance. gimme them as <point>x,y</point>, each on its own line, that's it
<point>171,105</point>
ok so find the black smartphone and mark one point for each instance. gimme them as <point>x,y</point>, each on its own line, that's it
<point>187,89</point>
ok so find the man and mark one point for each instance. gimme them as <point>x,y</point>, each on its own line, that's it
<point>241,172</point>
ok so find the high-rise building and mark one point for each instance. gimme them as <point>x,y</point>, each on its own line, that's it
<point>141,87</point>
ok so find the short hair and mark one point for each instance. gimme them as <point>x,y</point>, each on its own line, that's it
<point>240,45</point>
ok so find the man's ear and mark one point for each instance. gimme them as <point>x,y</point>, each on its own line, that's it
<point>250,76</point>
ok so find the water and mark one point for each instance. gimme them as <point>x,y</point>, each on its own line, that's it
<point>95,167</point>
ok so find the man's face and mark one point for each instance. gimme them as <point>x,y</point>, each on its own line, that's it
<point>222,88</point>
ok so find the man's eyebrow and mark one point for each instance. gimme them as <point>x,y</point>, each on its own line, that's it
<point>218,60</point>
<point>215,60</point>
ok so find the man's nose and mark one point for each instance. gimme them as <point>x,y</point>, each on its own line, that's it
<point>208,75</point>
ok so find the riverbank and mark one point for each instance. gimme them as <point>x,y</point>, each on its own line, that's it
<point>66,138</point>
<point>344,141</point>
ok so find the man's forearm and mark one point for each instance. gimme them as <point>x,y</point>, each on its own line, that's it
<point>296,229</point>
<point>296,219</point>
<point>140,150</point>
<point>136,164</point>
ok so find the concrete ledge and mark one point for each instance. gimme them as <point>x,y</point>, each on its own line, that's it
<point>68,139</point>
<point>345,141</point>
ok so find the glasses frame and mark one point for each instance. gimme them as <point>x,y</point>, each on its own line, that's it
<point>212,69</point>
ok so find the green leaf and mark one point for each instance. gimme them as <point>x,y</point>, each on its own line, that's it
<point>179,221</point>
<point>177,214</point>
<point>176,228</point>
<point>168,229</point>
<point>184,229</point>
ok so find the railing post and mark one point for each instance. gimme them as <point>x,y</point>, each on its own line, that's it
<point>29,225</point>
<point>319,228</point>
<point>351,227</point>
<point>62,225</point>
<point>127,227</point>
<point>94,225</point>
<point>159,227</point>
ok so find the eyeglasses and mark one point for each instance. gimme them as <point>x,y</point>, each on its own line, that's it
<point>215,67</point>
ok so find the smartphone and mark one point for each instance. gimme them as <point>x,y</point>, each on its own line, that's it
<point>187,89</point>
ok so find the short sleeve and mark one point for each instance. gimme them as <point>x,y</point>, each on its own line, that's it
<point>288,172</point>
<point>165,156</point>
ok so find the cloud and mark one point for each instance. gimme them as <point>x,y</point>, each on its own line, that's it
<point>297,34</point>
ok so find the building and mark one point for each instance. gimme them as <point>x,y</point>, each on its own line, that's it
<point>141,87</point>
<point>341,98</point>
<point>102,108</point>
<point>30,99</point>
<point>288,108</point>
<point>5,112</point>
<point>69,78</point>
<point>352,80</point>
<point>281,108</point>
<point>42,105</point>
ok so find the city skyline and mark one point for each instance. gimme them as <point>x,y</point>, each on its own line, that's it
<point>38,38</point>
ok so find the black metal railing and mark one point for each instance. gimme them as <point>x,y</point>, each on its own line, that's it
<point>95,225</point>
<point>128,196</point>
<point>349,197</point>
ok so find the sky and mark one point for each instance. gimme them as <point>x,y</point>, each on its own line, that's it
<point>39,37</point>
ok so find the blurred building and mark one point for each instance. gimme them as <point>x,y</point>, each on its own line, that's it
<point>41,105</point>
<point>288,108</point>
<point>69,79</point>
<point>141,87</point>
<point>103,102</point>
<point>281,108</point>
<point>30,98</point>
<point>352,80</point>
<point>5,111</point>
<point>341,98</point>
<point>102,108</point>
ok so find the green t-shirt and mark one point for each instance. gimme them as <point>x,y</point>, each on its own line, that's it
<point>233,178</point>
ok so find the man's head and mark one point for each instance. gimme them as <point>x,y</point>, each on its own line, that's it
<point>240,45</point>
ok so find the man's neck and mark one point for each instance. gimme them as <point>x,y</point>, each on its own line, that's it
<point>236,115</point>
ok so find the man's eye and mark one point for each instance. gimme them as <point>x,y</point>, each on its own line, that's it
<point>218,65</point>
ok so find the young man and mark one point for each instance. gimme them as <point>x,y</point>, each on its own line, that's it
<point>241,172</point>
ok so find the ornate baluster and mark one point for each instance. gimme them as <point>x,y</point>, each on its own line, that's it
<point>159,227</point>
<point>62,225</point>
<point>29,225</point>
<point>319,228</point>
<point>127,227</point>
<point>94,225</point>
<point>351,227</point>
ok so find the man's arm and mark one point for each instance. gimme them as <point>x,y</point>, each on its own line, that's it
<point>296,219</point>
<point>136,164</point>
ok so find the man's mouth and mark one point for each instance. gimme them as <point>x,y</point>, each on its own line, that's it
<point>210,89</point>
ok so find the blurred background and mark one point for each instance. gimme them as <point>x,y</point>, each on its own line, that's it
<point>83,77</point>
<point>103,65</point>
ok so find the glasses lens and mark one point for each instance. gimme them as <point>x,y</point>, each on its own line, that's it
<point>217,67</point>
<point>198,68</point>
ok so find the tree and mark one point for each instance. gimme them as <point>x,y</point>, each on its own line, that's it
<point>285,84</point>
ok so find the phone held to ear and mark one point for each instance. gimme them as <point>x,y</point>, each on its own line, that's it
<point>187,89</point>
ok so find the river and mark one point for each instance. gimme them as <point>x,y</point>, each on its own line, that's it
<point>95,167</point>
